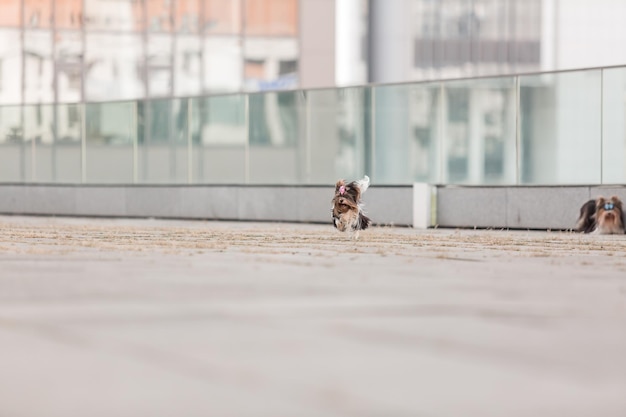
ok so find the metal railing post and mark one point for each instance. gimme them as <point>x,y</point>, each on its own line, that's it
<point>189,142</point>
<point>602,126</point>
<point>83,143</point>
<point>135,137</point>
<point>518,133</point>
<point>247,143</point>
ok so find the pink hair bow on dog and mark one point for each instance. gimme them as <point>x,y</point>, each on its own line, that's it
<point>342,190</point>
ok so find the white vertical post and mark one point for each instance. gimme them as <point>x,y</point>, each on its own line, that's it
<point>424,202</point>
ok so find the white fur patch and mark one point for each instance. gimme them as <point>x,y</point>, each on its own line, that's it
<point>363,183</point>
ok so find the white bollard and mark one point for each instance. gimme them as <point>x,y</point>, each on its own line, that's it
<point>424,205</point>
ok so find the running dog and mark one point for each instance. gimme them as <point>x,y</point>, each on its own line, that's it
<point>347,210</point>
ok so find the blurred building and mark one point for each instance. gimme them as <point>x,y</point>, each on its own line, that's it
<point>102,50</point>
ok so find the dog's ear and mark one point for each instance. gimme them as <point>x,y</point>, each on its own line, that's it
<point>600,202</point>
<point>616,201</point>
<point>339,184</point>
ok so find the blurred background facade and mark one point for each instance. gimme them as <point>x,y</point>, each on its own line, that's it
<point>220,90</point>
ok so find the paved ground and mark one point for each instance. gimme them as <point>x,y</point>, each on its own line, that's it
<point>170,318</point>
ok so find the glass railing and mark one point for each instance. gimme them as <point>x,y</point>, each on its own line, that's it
<point>539,129</point>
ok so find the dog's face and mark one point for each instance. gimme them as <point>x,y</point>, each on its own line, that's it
<point>346,197</point>
<point>609,215</point>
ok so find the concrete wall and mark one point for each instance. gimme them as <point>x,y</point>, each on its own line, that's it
<point>483,207</point>
<point>388,205</point>
<point>516,207</point>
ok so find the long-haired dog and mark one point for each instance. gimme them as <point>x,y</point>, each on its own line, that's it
<point>347,210</point>
<point>602,216</point>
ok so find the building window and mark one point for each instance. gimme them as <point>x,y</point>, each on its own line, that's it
<point>288,67</point>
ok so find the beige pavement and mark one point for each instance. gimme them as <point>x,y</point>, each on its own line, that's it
<point>128,317</point>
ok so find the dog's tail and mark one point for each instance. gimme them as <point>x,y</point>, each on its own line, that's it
<point>363,183</point>
<point>364,222</point>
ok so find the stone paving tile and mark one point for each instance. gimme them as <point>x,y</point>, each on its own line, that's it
<point>144,317</point>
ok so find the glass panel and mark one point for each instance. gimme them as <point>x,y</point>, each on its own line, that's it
<point>69,65</point>
<point>277,146</point>
<point>67,154</point>
<point>222,16</point>
<point>424,133</point>
<point>10,15</point>
<point>188,61</point>
<point>187,16</point>
<point>14,151</point>
<point>159,15</point>
<point>405,142</point>
<point>159,61</point>
<point>391,135</point>
<point>220,140</point>
<point>479,132</point>
<point>68,14</point>
<point>37,13</point>
<point>60,161</point>
<point>222,65</point>
<point>38,123</point>
<point>119,15</point>
<point>271,64</point>
<point>38,133</point>
<point>614,126</point>
<point>112,64</point>
<point>39,67</point>
<point>10,66</point>
<point>68,123</point>
<point>163,149</point>
<point>560,117</point>
<point>111,130</point>
<point>272,17</point>
<point>339,134</point>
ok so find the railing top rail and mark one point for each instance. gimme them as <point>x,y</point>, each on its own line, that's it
<point>356,86</point>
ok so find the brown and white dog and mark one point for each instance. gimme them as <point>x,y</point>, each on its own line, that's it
<point>602,216</point>
<point>347,210</point>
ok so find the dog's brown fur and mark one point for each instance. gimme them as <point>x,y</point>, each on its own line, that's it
<point>594,217</point>
<point>346,210</point>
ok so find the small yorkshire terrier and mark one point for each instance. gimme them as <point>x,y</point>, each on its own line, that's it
<point>602,216</point>
<point>347,210</point>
